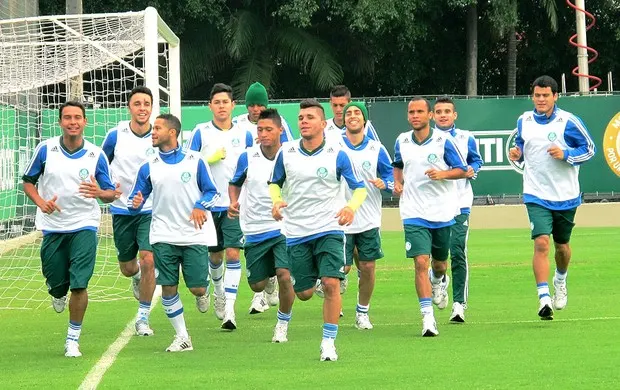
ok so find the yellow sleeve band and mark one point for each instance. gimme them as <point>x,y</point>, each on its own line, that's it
<point>215,157</point>
<point>359,195</point>
<point>275,192</point>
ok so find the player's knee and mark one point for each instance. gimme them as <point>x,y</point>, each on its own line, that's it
<point>216,257</point>
<point>421,263</point>
<point>440,266</point>
<point>59,291</point>
<point>305,295</point>
<point>331,286</point>
<point>284,276</point>
<point>198,291</point>
<point>562,249</point>
<point>129,268</point>
<point>146,259</point>
<point>258,286</point>
<point>541,244</point>
<point>366,267</point>
<point>232,253</point>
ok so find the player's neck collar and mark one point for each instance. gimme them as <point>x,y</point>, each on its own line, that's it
<point>67,150</point>
<point>310,152</point>
<point>425,140</point>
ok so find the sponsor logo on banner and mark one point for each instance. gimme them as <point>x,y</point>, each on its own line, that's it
<point>494,147</point>
<point>611,144</point>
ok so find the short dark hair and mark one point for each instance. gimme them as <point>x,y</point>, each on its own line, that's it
<point>544,82</point>
<point>140,89</point>
<point>420,98</point>
<point>271,113</point>
<point>309,103</point>
<point>172,122</point>
<point>71,103</point>
<point>340,91</point>
<point>445,100</point>
<point>221,87</point>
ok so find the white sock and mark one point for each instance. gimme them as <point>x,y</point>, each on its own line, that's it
<point>560,277</point>
<point>74,330</point>
<point>144,309</point>
<point>174,310</point>
<point>231,282</point>
<point>435,279</point>
<point>543,291</point>
<point>217,274</point>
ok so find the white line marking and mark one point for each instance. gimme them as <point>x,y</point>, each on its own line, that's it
<point>94,376</point>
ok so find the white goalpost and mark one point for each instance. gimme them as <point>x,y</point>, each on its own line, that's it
<point>44,61</point>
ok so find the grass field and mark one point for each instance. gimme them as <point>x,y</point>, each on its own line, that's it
<point>503,344</point>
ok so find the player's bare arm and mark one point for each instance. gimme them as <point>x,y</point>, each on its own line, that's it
<point>47,206</point>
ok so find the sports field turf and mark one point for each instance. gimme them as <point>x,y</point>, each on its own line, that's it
<point>503,344</point>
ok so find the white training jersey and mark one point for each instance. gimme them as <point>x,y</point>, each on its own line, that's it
<point>371,161</point>
<point>126,152</point>
<point>206,138</point>
<point>425,201</point>
<point>175,191</point>
<point>244,122</point>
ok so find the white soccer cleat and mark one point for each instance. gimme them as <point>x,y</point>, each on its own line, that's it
<point>545,310</point>
<point>143,328</point>
<point>259,303</point>
<point>560,295</point>
<point>362,321</point>
<point>135,287</point>
<point>220,306</point>
<point>72,349</point>
<point>280,333</point>
<point>203,302</point>
<point>59,304</point>
<point>328,351</point>
<point>440,292</point>
<point>319,289</point>
<point>271,291</point>
<point>229,322</point>
<point>344,283</point>
<point>429,326</point>
<point>180,344</point>
<point>458,313</point>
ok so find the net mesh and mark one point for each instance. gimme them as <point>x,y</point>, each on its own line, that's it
<point>44,62</point>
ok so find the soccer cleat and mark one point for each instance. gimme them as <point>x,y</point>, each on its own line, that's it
<point>135,287</point>
<point>429,326</point>
<point>220,306</point>
<point>180,344</point>
<point>440,293</point>
<point>344,283</point>
<point>545,311</point>
<point>362,321</point>
<point>143,328</point>
<point>458,313</point>
<point>271,291</point>
<point>560,295</point>
<point>229,322</point>
<point>280,332</point>
<point>319,289</point>
<point>59,304</point>
<point>203,302</point>
<point>259,303</point>
<point>328,351</point>
<point>72,349</point>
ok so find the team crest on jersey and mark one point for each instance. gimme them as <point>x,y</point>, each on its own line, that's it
<point>185,176</point>
<point>321,172</point>
<point>432,158</point>
<point>292,280</point>
<point>149,152</point>
<point>83,173</point>
<point>552,136</point>
<point>235,142</point>
<point>366,165</point>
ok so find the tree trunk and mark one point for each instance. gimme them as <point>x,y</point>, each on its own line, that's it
<point>512,61</point>
<point>472,50</point>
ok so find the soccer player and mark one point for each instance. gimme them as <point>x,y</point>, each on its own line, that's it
<point>221,142</point>
<point>426,163</point>
<point>444,114</point>
<point>374,165</point>
<point>265,245</point>
<point>553,143</point>
<point>61,179</point>
<point>182,227</point>
<point>127,146</point>
<point>257,101</point>
<point>314,214</point>
<point>339,97</point>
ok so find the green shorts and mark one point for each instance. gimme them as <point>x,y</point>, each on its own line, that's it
<point>368,246</point>
<point>229,234</point>
<point>262,258</point>
<point>546,222</point>
<point>68,260</point>
<point>421,240</point>
<point>193,259</point>
<point>131,234</point>
<point>317,258</point>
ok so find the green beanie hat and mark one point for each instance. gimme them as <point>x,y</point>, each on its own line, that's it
<point>359,105</point>
<point>256,95</point>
